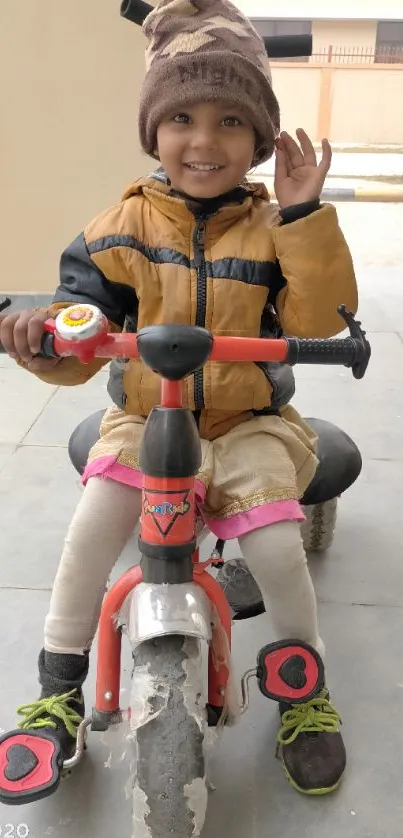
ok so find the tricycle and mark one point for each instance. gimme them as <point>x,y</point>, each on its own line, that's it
<point>170,606</point>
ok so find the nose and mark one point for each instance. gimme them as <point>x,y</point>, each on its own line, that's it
<point>204,138</point>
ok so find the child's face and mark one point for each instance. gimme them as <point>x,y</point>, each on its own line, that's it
<point>207,133</point>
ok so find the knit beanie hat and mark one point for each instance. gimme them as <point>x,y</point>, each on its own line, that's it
<point>206,51</point>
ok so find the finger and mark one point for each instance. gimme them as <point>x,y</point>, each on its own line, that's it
<point>281,147</point>
<point>326,161</point>
<point>280,168</point>
<point>21,336</point>
<point>307,148</point>
<point>35,332</point>
<point>293,151</point>
<point>284,141</point>
<point>7,324</point>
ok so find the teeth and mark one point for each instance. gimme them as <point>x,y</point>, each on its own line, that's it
<point>203,167</point>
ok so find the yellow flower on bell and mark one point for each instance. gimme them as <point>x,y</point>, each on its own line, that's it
<point>77,316</point>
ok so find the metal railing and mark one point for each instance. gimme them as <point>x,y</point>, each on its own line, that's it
<point>382,54</point>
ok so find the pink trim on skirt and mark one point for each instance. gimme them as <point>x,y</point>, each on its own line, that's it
<point>260,516</point>
<point>225,528</point>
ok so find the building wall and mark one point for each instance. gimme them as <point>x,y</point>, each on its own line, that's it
<point>378,118</point>
<point>297,88</point>
<point>342,102</point>
<point>71,75</point>
<point>343,34</point>
<point>321,10</point>
<point>68,138</point>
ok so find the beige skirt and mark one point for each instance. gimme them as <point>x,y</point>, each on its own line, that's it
<point>250,477</point>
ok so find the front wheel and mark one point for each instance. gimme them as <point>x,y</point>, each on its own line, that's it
<point>168,720</point>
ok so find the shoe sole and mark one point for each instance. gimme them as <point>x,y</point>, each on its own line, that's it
<point>310,792</point>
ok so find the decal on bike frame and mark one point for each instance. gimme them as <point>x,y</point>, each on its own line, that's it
<point>30,765</point>
<point>168,509</point>
<point>290,671</point>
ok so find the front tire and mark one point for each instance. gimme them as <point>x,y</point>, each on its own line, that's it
<point>168,721</point>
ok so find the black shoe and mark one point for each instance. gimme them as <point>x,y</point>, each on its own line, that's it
<point>311,745</point>
<point>60,709</point>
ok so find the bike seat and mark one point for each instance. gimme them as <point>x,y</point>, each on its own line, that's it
<point>339,466</point>
<point>83,438</point>
<point>340,461</point>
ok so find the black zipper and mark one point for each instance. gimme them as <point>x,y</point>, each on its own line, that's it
<point>201,306</point>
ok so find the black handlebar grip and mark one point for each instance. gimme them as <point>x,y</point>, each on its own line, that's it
<point>135,10</point>
<point>5,302</point>
<point>288,46</point>
<point>342,351</point>
<point>47,349</point>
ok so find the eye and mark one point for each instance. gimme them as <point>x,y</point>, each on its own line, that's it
<point>231,121</point>
<point>181,118</point>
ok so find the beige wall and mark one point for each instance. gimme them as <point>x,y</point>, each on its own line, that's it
<point>367,105</point>
<point>297,88</point>
<point>348,104</point>
<point>70,77</point>
<point>343,34</point>
<point>68,137</point>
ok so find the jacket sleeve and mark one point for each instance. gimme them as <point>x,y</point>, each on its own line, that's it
<point>318,275</point>
<point>81,281</point>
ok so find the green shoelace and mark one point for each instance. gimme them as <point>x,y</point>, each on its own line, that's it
<point>315,716</point>
<point>39,713</point>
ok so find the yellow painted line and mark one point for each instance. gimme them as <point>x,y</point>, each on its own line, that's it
<point>382,193</point>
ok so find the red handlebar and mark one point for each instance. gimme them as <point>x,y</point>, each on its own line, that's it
<point>176,351</point>
<point>124,345</point>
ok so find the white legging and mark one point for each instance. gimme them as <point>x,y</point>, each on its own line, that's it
<point>101,527</point>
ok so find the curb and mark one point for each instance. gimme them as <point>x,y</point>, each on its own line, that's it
<point>358,148</point>
<point>371,193</point>
<point>374,195</point>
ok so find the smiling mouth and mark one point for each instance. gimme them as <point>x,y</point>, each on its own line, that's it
<point>204,167</point>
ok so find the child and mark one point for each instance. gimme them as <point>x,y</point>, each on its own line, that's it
<point>196,243</point>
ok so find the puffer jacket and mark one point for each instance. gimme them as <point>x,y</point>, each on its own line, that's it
<point>234,265</point>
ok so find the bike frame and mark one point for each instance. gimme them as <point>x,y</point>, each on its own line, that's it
<point>181,527</point>
<point>180,530</point>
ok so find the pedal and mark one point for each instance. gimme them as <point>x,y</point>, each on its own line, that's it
<point>242,592</point>
<point>30,766</point>
<point>290,671</point>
